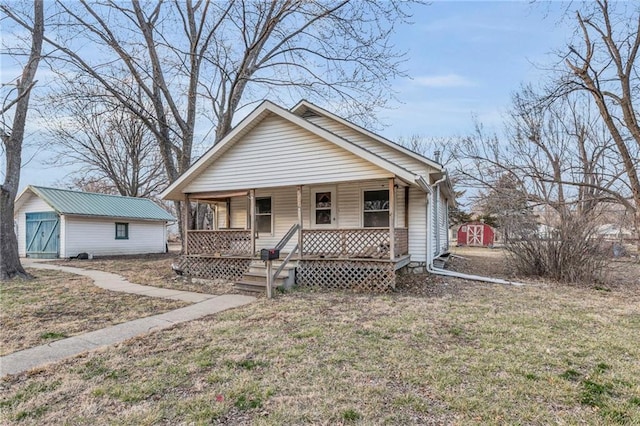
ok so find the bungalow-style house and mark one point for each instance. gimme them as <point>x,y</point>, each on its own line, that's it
<point>346,207</point>
<point>52,223</point>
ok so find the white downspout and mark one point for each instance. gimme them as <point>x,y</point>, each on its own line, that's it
<point>437,271</point>
<point>436,212</point>
<point>448,273</point>
<point>426,188</point>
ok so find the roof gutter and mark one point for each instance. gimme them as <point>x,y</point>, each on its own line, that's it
<point>423,184</point>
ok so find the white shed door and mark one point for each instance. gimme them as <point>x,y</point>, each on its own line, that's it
<point>474,235</point>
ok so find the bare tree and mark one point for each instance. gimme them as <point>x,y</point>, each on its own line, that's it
<point>439,149</point>
<point>233,53</point>
<point>605,67</point>
<point>507,203</point>
<point>556,163</point>
<point>558,152</point>
<point>12,135</point>
<point>111,148</point>
<point>335,51</point>
<point>442,150</point>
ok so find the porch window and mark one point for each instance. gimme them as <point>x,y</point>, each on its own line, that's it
<point>263,214</point>
<point>122,231</point>
<point>376,209</point>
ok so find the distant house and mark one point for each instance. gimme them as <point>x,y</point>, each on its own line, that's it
<point>353,207</point>
<point>476,234</point>
<point>52,223</point>
<point>613,232</point>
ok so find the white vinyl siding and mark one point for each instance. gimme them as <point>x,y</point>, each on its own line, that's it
<point>443,225</point>
<point>284,207</point>
<point>395,156</point>
<point>97,236</point>
<point>221,215</point>
<point>349,199</point>
<point>279,153</point>
<point>32,205</point>
<point>349,209</point>
<point>439,226</point>
<point>400,208</point>
<point>417,225</point>
<point>238,213</point>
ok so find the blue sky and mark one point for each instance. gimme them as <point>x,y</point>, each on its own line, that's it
<point>467,58</point>
<point>464,59</point>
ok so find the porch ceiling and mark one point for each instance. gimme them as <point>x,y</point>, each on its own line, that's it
<point>217,195</point>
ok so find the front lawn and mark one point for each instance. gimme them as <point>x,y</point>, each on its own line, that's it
<point>152,269</point>
<point>56,305</point>
<point>453,353</point>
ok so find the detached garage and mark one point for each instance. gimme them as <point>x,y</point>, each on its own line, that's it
<point>53,223</point>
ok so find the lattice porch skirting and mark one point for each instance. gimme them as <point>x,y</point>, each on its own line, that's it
<point>230,268</point>
<point>347,274</point>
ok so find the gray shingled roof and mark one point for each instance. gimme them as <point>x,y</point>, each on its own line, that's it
<point>79,203</point>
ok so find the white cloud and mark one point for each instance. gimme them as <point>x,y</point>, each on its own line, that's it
<point>445,80</point>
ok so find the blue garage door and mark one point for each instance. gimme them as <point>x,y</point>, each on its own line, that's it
<point>43,235</point>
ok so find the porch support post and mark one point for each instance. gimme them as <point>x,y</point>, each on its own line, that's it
<point>392,218</point>
<point>299,199</point>
<point>252,220</point>
<point>185,224</point>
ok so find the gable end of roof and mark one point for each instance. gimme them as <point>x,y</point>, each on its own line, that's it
<point>306,109</point>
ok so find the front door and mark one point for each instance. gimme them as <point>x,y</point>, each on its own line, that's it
<point>42,235</point>
<point>474,235</point>
<point>323,207</point>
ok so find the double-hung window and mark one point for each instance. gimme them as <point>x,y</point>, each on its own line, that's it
<point>122,231</point>
<point>264,215</point>
<point>376,209</point>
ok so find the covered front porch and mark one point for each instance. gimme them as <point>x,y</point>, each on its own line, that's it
<point>346,243</point>
<point>313,225</point>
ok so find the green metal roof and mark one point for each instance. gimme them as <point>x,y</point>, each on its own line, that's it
<point>69,202</point>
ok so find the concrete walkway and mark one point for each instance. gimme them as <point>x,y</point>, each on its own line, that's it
<point>203,305</point>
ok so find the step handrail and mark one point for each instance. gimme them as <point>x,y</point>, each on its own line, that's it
<point>283,242</point>
<point>285,261</point>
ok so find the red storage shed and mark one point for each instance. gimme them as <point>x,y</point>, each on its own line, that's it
<point>476,234</point>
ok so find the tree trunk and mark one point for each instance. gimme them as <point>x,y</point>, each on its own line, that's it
<point>10,265</point>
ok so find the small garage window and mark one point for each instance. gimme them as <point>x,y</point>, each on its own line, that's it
<point>122,231</point>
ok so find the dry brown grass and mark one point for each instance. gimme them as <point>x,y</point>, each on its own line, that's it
<point>454,352</point>
<point>621,274</point>
<point>152,269</point>
<point>56,305</point>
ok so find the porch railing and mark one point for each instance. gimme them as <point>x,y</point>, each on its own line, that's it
<point>227,241</point>
<point>355,242</point>
<point>402,241</point>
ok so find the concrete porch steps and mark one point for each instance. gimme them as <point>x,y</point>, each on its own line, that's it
<point>255,280</point>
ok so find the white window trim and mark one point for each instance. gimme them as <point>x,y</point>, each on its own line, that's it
<point>381,187</point>
<point>273,214</point>
<point>334,206</point>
